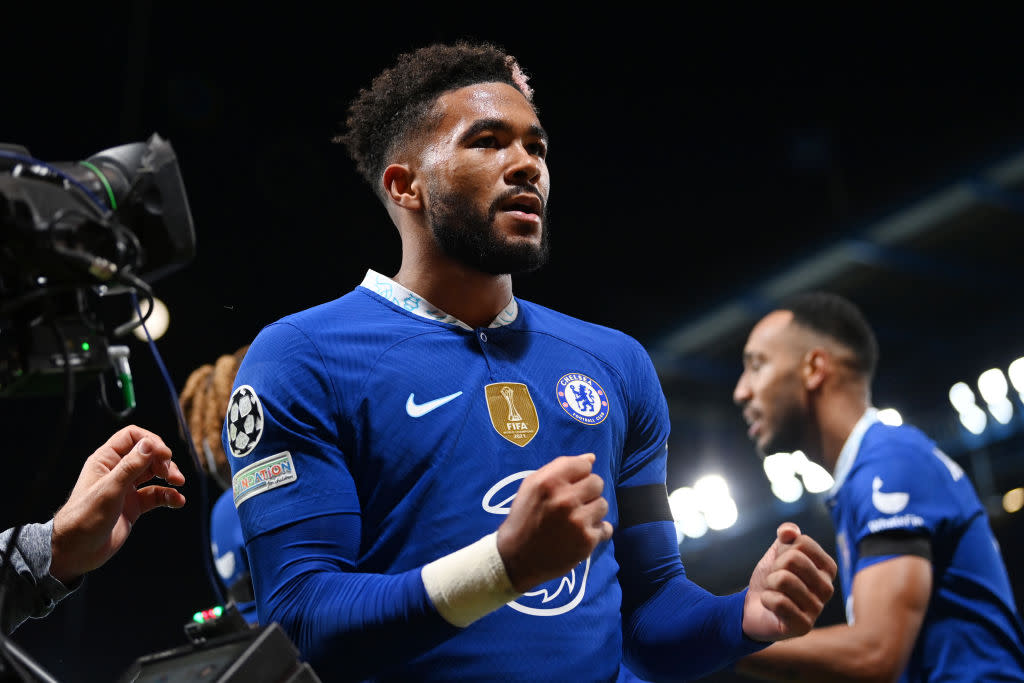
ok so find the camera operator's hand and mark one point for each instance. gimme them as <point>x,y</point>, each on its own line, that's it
<point>98,516</point>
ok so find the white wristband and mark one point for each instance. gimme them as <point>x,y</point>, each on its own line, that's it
<point>469,583</point>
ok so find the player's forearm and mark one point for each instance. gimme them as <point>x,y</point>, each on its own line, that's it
<point>837,653</point>
<point>304,582</point>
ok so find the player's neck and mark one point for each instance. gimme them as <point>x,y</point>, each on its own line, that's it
<point>473,297</point>
<point>837,425</point>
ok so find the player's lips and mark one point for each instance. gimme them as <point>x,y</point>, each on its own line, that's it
<point>524,206</point>
<point>754,429</point>
<point>753,423</point>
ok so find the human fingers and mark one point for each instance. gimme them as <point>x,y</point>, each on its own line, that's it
<point>787,533</point>
<point>571,467</point>
<point>164,467</point>
<point>124,439</point>
<point>592,519</point>
<point>812,566</point>
<point>802,583</point>
<point>793,620</point>
<point>588,488</point>
<point>136,467</point>
<point>150,497</point>
<point>821,559</point>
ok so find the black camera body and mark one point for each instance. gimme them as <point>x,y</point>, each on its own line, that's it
<point>72,236</point>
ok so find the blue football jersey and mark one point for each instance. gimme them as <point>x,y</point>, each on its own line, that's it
<point>896,478</point>
<point>373,405</point>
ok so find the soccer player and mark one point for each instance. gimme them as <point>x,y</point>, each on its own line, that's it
<point>927,593</point>
<point>439,481</point>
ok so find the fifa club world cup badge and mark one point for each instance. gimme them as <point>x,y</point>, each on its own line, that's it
<point>583,399</point>
<point>513,414</point>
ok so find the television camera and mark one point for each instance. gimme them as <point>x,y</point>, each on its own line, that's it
<point>73,235</point>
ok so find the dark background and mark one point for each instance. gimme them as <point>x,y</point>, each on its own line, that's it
<point>694,157</point>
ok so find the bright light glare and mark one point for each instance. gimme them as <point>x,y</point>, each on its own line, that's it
<point>1013,500</point>
<point>1016,373</point>
<point>974,419</point>
<point>156,323</point>
<point>992,385</point>
<point>891,417</point>
<point>816,478</point>
<point>686,512</point>
<point>787,489</point>
<point>710,487</point>
<point>778,466</point>
<point>961,396</point>
<point>714,500</point>
<point>781,469</point>
<point>1001,410</point>
<point>722,515</point>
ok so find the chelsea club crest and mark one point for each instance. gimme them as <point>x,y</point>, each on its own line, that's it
<point>583,399</point>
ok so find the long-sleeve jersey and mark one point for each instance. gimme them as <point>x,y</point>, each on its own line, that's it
<point>373,434</point>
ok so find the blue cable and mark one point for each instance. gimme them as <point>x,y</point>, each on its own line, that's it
<point>204,517</point>
<point>32,160</point>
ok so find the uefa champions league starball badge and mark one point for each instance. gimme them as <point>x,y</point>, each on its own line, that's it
<point>244,421</point>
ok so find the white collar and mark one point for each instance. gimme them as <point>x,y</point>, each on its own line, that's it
<point>850,449</point>
<point>417,305</point>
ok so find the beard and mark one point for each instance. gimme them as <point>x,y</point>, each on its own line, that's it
<point>789,433</point>
<point>470,237</point>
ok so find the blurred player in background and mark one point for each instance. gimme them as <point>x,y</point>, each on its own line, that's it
<point>927,594</point>
<point>204,402</point>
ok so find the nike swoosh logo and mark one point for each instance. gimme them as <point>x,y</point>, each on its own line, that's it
<point>420,409</point>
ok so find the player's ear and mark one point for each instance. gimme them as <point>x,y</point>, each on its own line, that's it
<point>814,368</point>
<point>401,187</point>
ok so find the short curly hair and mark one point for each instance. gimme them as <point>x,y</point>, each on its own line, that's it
<point>398,104</point>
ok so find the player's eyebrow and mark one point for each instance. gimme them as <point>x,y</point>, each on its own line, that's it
<point>493,124</point>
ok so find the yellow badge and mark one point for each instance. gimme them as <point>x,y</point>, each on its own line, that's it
<point>513,414</point>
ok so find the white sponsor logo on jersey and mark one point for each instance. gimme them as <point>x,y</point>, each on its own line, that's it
<point>554,597</point>
<point>887,503</point>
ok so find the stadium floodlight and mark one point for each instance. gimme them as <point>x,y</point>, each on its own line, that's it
<point>974,419</point>
<point>961,396</point>
<point>890,416</point>
<point>816,478</point>
<point>715,502</point>
<point>787,489</point>
<point>686,512</point>
<point>1016,373</point>
<point>992,385</point>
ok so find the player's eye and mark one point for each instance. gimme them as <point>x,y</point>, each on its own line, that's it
<point>486,141</point>
<point>538,148</point>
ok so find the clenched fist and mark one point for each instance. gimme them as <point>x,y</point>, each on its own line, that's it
<point>555,521</point>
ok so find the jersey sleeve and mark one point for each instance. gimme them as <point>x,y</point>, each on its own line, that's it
<point>300,515</point>
<point>349,625</point>
<point>284,432</point>
<point>644,452</point>
<point>672,628</point>
<point>895,493</point>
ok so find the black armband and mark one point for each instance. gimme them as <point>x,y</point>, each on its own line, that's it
<point>896,542</point>
<point>641,504</point>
